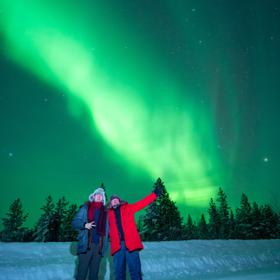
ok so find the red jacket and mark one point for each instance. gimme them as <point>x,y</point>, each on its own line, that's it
<point>131,235</point>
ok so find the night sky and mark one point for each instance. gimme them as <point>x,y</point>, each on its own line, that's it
<point>124,92</point>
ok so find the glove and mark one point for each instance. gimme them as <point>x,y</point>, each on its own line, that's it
<point>158,190</point>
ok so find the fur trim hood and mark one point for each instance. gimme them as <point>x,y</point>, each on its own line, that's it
<point>98,191</point>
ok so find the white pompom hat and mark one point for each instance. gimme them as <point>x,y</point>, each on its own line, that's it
<point>97,191</point>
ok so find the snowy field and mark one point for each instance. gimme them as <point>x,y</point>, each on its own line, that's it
<point>196,259</point>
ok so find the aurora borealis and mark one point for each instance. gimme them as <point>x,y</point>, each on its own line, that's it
<point>123,92</point>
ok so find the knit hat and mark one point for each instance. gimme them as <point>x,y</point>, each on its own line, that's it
<point>113,197</point>
<point>98,191</point>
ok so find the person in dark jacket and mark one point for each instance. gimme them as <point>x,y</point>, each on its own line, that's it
<point>91,223</point>
<point>124,237</point>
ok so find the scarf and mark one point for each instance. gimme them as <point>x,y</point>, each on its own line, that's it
<point>100,227</point>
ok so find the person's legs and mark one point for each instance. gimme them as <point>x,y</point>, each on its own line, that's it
<point>84,260</point>
<point>94,263</point>
<point>134,265</point>
<point>119,263</point>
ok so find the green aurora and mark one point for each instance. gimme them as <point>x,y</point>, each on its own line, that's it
<point>123,92</point>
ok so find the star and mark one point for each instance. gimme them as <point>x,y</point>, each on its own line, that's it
<point>11,154</point>
<point>265,159</point>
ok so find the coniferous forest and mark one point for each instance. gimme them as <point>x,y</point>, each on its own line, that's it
<point>161,221</point>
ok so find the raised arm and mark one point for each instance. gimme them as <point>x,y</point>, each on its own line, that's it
<point>158,191</point>
<point>137,206</point>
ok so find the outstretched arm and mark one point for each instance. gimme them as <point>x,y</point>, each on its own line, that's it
<point>143,202</point>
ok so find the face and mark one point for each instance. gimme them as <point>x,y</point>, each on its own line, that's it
<point>115,202</point>
<point>98,198</point>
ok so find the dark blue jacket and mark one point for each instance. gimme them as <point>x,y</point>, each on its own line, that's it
<point>78,223</point>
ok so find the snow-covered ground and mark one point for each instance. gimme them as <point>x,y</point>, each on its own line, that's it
<point>196,259</point>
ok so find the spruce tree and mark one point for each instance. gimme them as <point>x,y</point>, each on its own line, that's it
<point>257,227</point>
<point>69,233</point>
<point>104,188</point>
<point>190,231</point>
<point>150,223</point>
<point>278,225</point>
<point>43,227</point>
<point>57,229</point>
<point>162,220</point>
<point>223,210</point>
<point>244,219</point>
<point>214,224</point>
<point>232,226</point>
<point>139,224</point>
<point>202,228</point>
<point>12,224</point>
<point>269,221</point>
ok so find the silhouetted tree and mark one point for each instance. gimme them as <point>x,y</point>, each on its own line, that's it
<point>57,229</point>
<point>104,188</point>
<point>44,225</point>
<point>190,230</point>
<point>150,223</point>
<point>13,231</point>
<point>223,210</point>
<point>257,227</point>
<point>214,224</point>
<point>269,222</point>
<point>232,226</point>
<point>244,219</point>
<point>162,220</point>
<point>202,228</point>
<point>140,223</point>
<point>69,234</point>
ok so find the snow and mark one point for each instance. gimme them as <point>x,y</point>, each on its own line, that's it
<point>195,259</point>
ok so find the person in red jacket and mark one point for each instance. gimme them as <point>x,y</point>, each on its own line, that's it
<point>124,237</point>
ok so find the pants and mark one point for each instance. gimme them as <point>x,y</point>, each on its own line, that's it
<point>89,261</point>
<point>132,259</point>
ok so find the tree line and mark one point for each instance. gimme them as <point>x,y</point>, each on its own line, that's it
<point>53,225</point>
<point>161,221</point>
